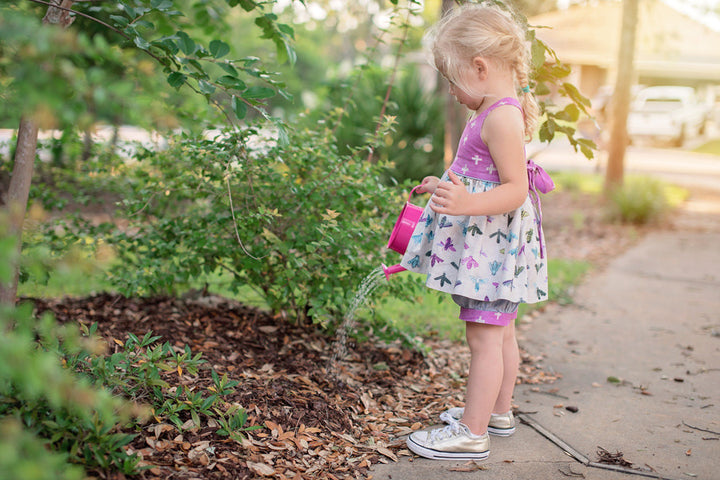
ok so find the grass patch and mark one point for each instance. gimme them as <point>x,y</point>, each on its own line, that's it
<point>576,182</point>
<point>712,147</point>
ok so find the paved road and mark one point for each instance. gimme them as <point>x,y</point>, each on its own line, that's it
<point>682,167</point>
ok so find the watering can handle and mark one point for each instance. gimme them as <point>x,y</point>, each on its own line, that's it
<point>413,191</point>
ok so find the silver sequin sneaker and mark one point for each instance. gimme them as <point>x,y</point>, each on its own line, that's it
<point>452,442</point>
<point>502,425</point>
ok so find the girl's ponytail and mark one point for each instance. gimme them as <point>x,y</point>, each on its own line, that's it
<point>531,110</point>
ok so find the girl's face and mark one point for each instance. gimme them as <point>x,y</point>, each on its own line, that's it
<point>464,98</point>
<point>474,84</point>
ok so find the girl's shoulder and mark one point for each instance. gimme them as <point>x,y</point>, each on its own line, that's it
<point>504,119</point>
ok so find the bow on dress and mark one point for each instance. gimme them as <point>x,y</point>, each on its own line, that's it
<point>539,181</point>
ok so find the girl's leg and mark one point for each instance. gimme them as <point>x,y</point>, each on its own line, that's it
<point>486,374</point>
<point>511,364</point>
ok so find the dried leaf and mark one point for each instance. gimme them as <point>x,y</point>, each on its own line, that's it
<point>261,468</point>
<point>388,453</point>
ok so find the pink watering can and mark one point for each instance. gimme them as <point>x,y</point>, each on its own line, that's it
<point>400,236</point>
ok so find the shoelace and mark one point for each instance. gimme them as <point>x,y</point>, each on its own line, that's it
<point>452,429</point>
<point>447,418</point>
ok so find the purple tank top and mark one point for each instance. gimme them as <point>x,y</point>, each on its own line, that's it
<point>473,156</point>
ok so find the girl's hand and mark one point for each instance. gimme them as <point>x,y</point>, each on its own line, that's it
<point>451,198</point>
<point>428,185</point>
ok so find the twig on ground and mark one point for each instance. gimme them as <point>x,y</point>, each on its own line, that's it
<point>701,429</point>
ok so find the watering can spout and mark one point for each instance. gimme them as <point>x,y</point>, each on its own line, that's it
<point>391,270</point>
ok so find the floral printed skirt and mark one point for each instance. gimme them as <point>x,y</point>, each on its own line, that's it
<point>481,257</point>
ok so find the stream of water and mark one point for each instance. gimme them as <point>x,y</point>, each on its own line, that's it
<point>366,288</point>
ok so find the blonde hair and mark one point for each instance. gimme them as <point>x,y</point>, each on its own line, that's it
<point>477,30</point>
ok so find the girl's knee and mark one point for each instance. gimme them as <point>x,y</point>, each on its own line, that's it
<point>481,336</point>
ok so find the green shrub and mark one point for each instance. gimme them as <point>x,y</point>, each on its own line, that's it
<point>640,200</point>
<point>293,219</point>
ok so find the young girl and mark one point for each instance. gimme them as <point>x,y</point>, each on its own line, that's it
<point>479,238</point>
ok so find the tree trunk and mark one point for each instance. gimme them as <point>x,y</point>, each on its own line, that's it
<point>19,188</point>
<point>622,97</point>
<point>17,196</point>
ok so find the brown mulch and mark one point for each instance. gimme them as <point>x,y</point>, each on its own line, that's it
<point>320,418</point>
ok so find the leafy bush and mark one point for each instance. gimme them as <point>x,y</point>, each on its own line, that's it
<point>640,200</point>
<point>292,218</point>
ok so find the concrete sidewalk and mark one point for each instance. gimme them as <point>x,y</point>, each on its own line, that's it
<point>639,354</point>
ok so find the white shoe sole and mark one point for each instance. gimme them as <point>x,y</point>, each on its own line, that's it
<point>440,455</point>
<point>501,432</point>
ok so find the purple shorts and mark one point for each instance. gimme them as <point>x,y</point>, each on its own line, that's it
<point>498,312</point>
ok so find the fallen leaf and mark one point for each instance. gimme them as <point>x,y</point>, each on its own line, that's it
<point>388,453</point>
<point>261,468</point>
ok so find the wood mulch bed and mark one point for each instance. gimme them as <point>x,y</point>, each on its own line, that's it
<point>321,419</point>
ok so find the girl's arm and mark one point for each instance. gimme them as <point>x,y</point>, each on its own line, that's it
<point>503,133</point>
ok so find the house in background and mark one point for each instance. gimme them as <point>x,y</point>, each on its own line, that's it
<point>671,47</point>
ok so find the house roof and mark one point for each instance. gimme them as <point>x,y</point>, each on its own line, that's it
<point>668,44</point>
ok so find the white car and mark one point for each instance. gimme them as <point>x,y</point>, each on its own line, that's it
<point>667,113</point>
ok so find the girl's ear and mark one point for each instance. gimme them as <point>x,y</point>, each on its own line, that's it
<point>481,67</point>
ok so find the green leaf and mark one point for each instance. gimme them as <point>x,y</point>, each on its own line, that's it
<point>141,43</point>
<point>161,5</point>
<point>575,94</point>
<point>145,24</point>
<point>229,69</point>
<point>206,88</point>
<point>538,55</point>
<point>167,44</point>
<point>219,48</point>
<point>544,133</point>
<point>258,92</point>
<point>542,89</point>
<point>119,21</point>
<point>176,79</point>
<point>230,81</point>
<point>247,5</point>
<point>186,44</point>
<point>129,10</point>
<point>286,29</point>
<point>239,107</point>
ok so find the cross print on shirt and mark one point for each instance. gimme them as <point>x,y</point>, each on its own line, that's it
<point>491,169</point>
<point>465,169</point>
<point>477,159</point>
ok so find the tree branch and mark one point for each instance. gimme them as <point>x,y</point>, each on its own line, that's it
<point>84,15</point>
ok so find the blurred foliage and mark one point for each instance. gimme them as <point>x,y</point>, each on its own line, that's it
<point>643,200</point>
<point>414,145</point>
